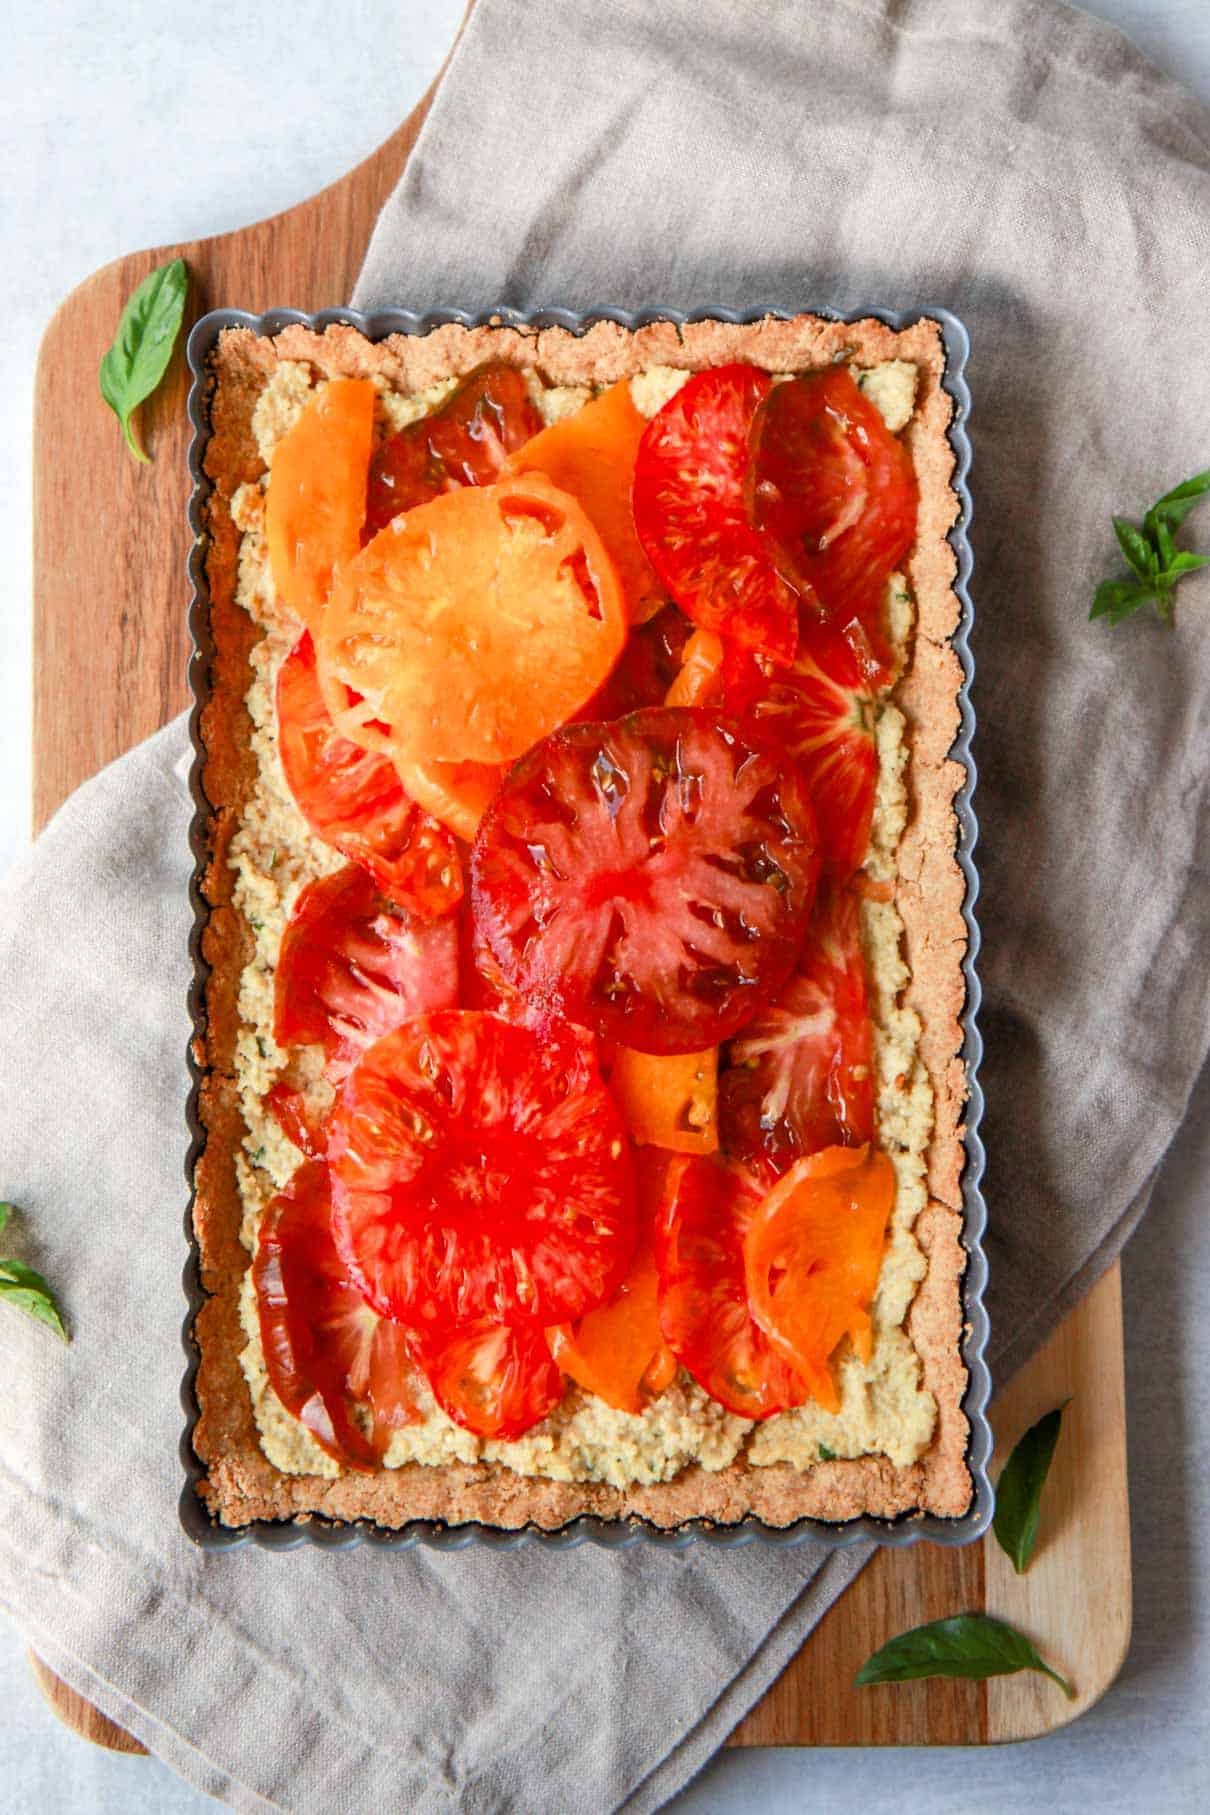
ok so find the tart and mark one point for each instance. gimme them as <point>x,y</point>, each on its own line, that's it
<point>580,1064</point>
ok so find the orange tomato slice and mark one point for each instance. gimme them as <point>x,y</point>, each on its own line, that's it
<point>472,626</point>
<point>457,794</point>
<point>701,671</point>
<point>812,1253</point>
<point>316,501</point>
<point>591,455</point>
<point>617,1352</point>
<point>668,1099</point>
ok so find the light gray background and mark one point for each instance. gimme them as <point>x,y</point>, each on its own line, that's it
<point>129,124</point>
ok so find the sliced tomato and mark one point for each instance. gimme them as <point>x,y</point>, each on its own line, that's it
<point>699,1254</point>
<point>483,985</point>
<point>833,490</point>
<point>691,515</point>
<point>813,1251</point>
<point>617,1352</point>
<point>821,709</point>
<point>353,965</point>
<point>699,680</point>
<point>494,1380</point>
<point>465,441</point>
<point>800,1075</point>
<point>326,1351</point>
<point>591,455</point>
<point>473,625</point>
<point>288,1107</point>
<point>456,794</point>
<point>649,878</point>
<point>316,498</point>
<point>480,1173</point>
<point>354,800</point>
<point>647,667</point>
<point>668,1100</point>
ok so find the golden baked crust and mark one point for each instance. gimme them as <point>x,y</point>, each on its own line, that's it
<point>240,1484</point>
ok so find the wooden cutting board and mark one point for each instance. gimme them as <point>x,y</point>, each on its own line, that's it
<point>110,654</point>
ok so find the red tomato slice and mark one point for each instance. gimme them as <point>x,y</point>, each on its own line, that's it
<point>353,799</point>
<point>690,512</point>
<point>496,1381</point>
<point>288,1107</point>
<point>649,879</point>
<point>800,1076</point>
<point>699,1252</point>
<point>352,966</point>
<point>325,1349</point>
<point>812,1255</point>
<point>648,665</point>
<point>617,1351</point>
<point>821,710</point>
<point>464,442</point>
<point>480,1172</point>
<point>834,491</point>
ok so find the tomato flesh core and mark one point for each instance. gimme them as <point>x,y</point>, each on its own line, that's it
<point>480,1174</point>
<point>690,511</point>
<point>649,879</point>
<point>465,441</point>
<point>801,1075</point>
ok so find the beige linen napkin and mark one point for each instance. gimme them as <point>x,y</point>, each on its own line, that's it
<point>1021,165</point>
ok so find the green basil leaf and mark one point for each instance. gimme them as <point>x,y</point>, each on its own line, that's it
<point>1140,555</point>
<point>826,1454</point>
<point>21,1286</point>
<point>971,1645</point>
<point>1019,1489</point>
<point>147,333</point>
<point>6,1211</point>
<point>1117,599</point>
<point>1161,536</point>
<point>1175,505</point>
<point>1180,564</point>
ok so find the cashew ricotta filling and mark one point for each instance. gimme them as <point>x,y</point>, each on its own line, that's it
<point>885,1408</point>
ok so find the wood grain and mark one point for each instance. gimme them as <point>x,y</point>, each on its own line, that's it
<point>1074,1601</point>
<point>80,1715</point>
<point>110,535</point>
<point>110,550</point>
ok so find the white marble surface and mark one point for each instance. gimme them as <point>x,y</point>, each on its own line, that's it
<point>101,143</point>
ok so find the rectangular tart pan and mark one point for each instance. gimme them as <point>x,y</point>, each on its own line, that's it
<point>589,1529</point>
